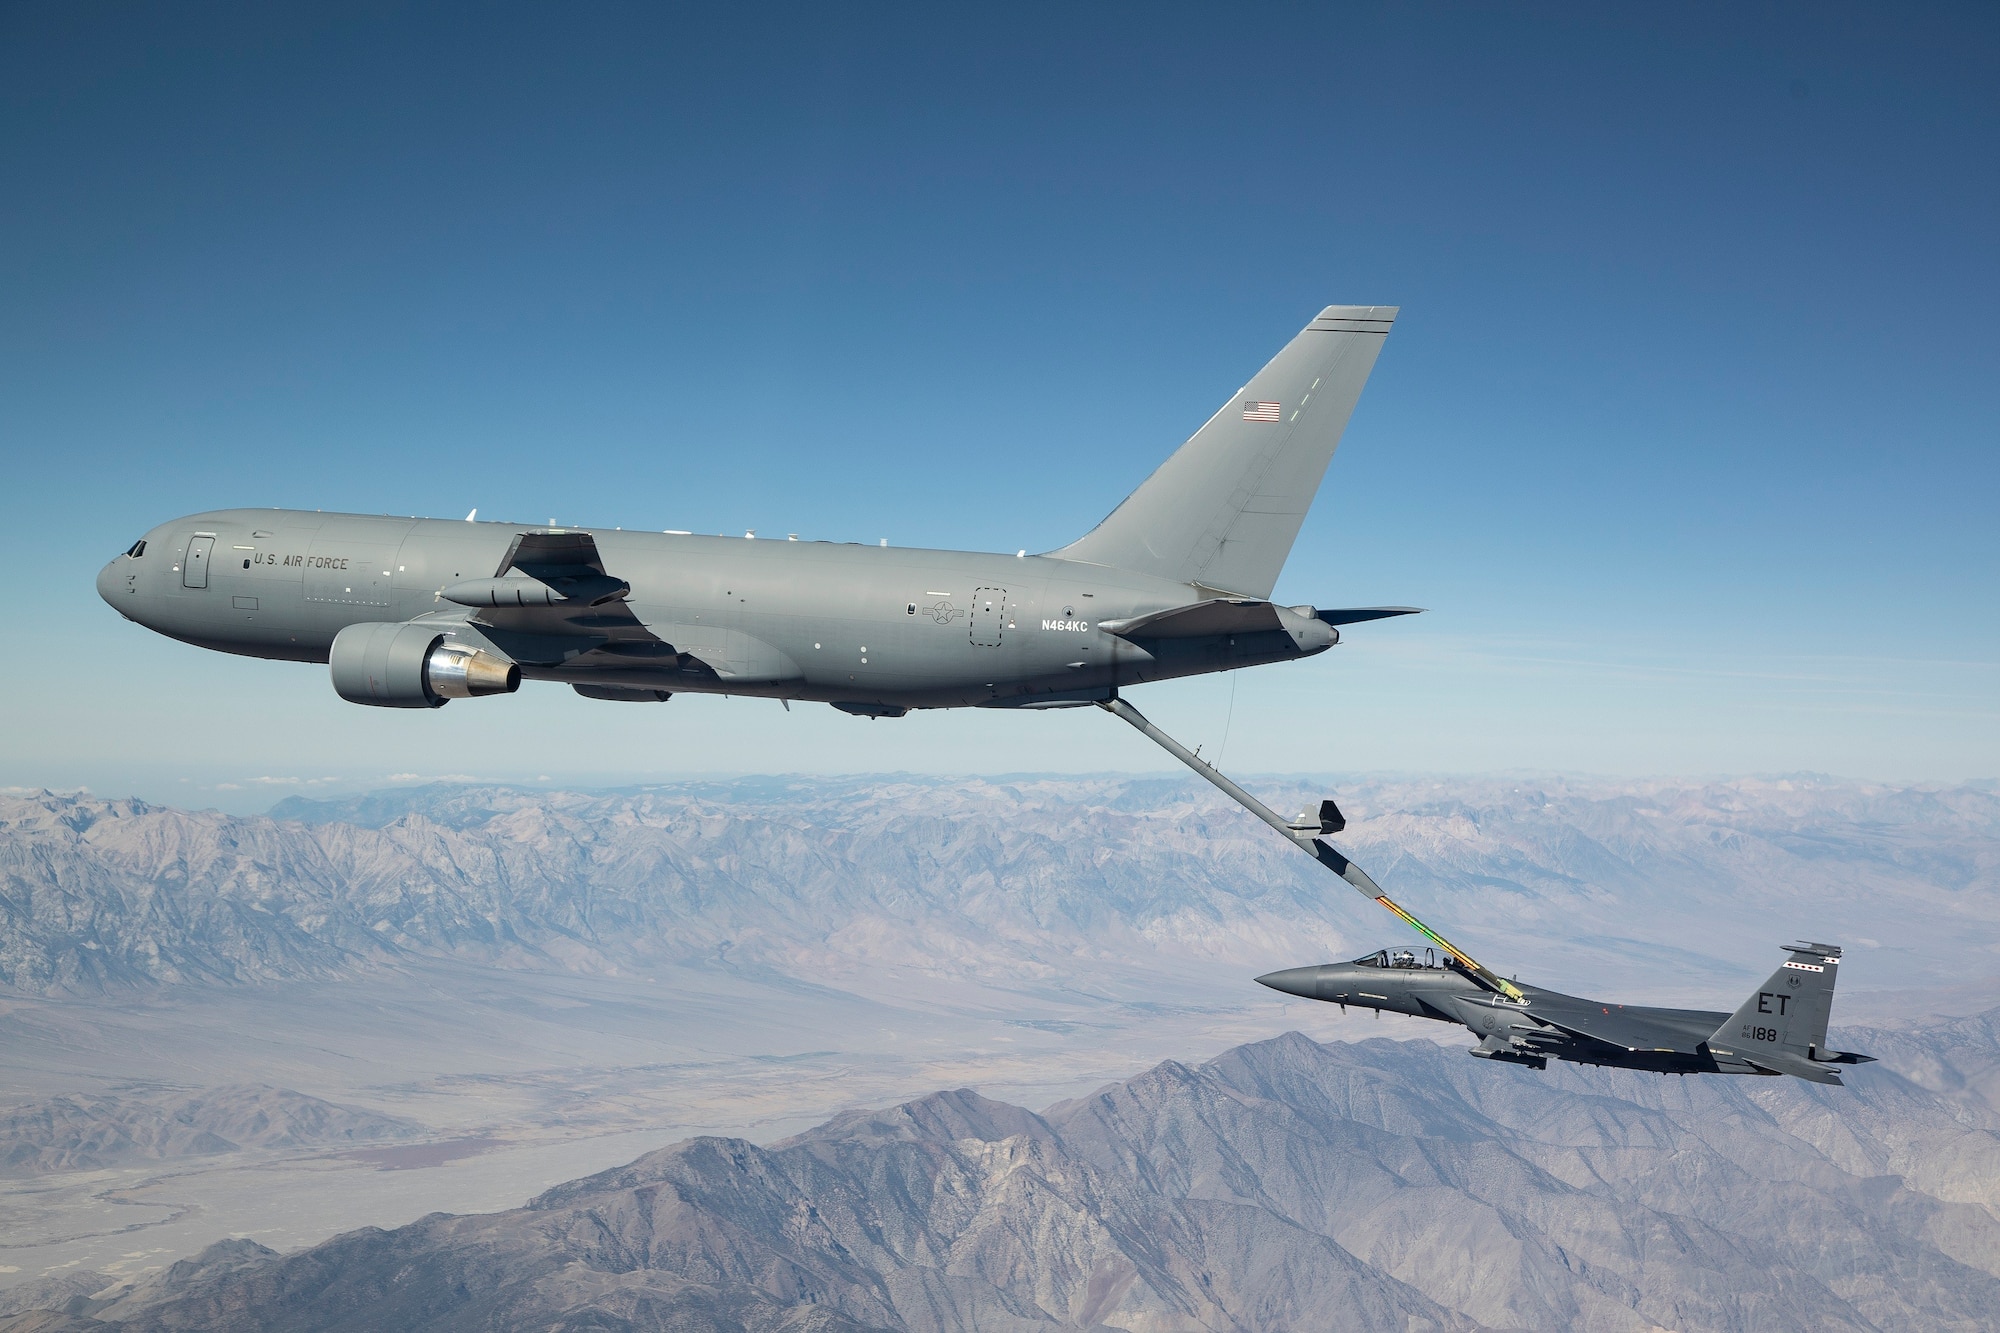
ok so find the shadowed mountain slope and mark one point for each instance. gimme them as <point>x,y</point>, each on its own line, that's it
<point>1283,1185</point>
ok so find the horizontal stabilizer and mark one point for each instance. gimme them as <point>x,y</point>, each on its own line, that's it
<point>1843,1058</point>
<point>1237,615</point>
<point>1355,615</point>
<point>1200,620</point>
<point>1784,1062</point>
<point>1225,617</point>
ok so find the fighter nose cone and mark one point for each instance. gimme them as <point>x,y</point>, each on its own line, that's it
<point>1297,981</point>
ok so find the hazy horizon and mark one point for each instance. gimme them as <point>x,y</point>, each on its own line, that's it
<point>258,795</point>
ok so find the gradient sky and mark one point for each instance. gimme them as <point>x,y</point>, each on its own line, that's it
<point>1686,436</point>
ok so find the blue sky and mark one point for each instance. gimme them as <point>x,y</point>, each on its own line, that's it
<point>1686,435</point>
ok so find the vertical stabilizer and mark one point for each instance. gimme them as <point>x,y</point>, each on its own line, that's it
<point>1223,511</point>
<point>1782,1026</point>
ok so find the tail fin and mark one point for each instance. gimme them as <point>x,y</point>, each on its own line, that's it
<point>1223,511</point>
<point>1782,1027</point>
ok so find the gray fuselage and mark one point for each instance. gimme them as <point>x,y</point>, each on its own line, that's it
<point>841,623</point>
<point>1542,1025</point>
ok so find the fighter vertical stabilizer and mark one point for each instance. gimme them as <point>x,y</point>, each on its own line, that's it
<point>1782,1026</point>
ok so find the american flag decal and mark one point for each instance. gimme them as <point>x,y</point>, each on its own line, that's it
<point>1260,412</point>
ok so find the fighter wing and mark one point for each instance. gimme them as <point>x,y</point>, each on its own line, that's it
<point>1628,1029</point>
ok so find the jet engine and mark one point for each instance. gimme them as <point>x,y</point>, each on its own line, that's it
<point>412,666</point>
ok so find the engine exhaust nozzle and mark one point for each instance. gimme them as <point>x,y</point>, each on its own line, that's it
<point>456,673</point>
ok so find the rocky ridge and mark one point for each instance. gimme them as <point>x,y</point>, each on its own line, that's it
<point>1021,882</point>
<point>89,1132</point>
<point>1283,1185</point>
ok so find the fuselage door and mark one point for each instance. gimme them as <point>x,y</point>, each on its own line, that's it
<point>989,616</point>
<point>194,569</point>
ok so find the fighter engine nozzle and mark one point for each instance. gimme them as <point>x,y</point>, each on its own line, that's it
<point>1300,981</point>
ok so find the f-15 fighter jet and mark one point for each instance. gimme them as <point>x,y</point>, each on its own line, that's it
<point>412,613</point>
<point>1780,1029</point>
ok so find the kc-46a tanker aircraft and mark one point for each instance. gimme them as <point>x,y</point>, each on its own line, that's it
<point>411,613</point>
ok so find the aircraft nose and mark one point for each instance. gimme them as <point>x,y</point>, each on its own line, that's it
<point>108,587</point>
<point>1299,981</point>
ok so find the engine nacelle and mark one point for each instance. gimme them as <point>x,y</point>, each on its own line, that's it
<point>411,666</point>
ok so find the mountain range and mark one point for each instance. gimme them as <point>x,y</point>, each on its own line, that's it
<point>90,1133</point>
<point>1285,1184</point>
<point>505,972</point>
<point>1073,884</point>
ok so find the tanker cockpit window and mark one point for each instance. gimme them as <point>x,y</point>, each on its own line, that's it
<point>138,548</point>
